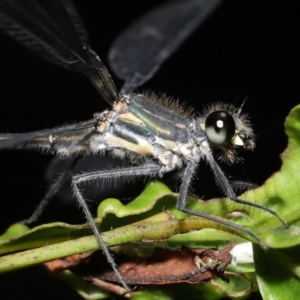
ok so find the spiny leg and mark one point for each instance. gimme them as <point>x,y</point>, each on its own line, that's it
<point>242,185</point>
<point>225,186</point>
<point>181,205</point>
<point>51,193</point>
<point>143,170</point>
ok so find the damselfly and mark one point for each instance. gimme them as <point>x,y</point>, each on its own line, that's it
<point>156,135</point>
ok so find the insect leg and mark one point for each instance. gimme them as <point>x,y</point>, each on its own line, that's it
<point>225,186</point>
<point>143,170</point>
<point>181,205</point>
<point>51,193</point>
<point>240,186</point>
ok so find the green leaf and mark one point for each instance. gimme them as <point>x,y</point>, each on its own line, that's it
<point>277,270</point>
<point>278,273</point>
<point>281,193</point>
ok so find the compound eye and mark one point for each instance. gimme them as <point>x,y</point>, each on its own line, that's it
<point>220,127</point>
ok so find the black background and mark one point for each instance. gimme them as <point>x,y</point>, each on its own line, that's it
<point>246,48</point>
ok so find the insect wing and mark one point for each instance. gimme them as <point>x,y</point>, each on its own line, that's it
<point>53,30</point>
<point>155,37</point>
<point>28,139</point>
